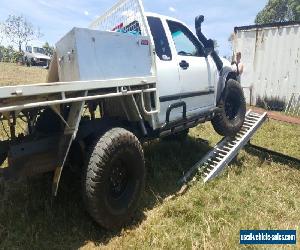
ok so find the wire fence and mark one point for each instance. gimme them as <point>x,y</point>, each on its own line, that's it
<point>293,106</point>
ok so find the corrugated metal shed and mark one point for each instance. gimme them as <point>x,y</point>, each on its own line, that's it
<point>271,58</point>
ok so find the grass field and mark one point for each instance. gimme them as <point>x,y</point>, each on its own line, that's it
<point>11,74</point>
<point>257,191</point>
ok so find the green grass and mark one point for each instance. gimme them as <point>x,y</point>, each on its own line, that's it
<point>255,192</point>
<point>280,137</point>
<point>12,74</point>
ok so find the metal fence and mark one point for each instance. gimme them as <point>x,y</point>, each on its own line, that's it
<point>127,16</point>
<point>293,106</point>
<point>271,58</point>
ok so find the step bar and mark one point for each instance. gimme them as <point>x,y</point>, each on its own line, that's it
<point>223,153</point>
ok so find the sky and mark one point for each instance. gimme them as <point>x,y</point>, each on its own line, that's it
<point>56,17</point>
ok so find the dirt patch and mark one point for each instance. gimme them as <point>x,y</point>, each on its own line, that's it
<point>277,116</point>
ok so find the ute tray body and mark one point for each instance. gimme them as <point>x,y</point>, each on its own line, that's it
<point>86,54</point>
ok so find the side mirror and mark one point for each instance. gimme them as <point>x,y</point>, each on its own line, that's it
<point>198,22</point>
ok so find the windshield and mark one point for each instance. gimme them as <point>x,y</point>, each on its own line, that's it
<point>38,50</point>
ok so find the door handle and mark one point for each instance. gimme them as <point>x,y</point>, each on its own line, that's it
<point>184,64</point>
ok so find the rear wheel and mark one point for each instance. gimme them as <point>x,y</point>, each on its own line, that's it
<point>230,120</point>
<point>114,178</point>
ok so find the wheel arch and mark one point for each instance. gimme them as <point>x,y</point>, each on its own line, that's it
<point>90,129</point>
<point>100,126</point>
<point>225,74</point>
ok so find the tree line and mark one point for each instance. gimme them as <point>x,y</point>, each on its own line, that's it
<point>18,32</point>
<point>279,11</point>
<point>276,11</point>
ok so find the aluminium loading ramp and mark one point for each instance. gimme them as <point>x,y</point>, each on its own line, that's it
<point>223,153</point>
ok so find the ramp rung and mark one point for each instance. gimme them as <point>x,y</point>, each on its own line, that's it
<point>222,151</point>
<point>254,116</point>
<point>250,119</point>
<point>218,158</point>
<point>248,123</point>
<point>247,126</point>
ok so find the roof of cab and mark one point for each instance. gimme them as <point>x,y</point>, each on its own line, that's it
<point>164,17</point>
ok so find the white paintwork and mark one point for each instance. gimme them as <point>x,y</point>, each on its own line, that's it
<point>168,84</point>
<point>196,78</point>
<point>200,76</point>
<point>168,81</point>
<point>74,86</point>
<point>42,101</point>
<point>271,58</point>
<point>172,79</point>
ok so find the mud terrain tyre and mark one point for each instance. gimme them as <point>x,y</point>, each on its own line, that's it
<point>230,120</point>
<point>114,178</point>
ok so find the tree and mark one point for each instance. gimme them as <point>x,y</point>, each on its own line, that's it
<point>279,11</point>
<point>2,35</point>
<point>9,54</point>
<point>19,31</point>
<point>48,49</point>
<point>231,40</point>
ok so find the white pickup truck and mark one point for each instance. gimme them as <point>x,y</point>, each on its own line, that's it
<point>36,56</point>
<point>129,78</point>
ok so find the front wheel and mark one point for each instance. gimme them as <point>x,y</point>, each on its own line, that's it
<point>114,178</point>
<point>231,118</point>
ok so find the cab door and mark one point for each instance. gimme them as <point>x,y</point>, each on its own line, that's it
<point>168,84</point>
<point>197,88</point>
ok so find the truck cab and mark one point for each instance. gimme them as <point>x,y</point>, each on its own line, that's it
<point>186,75</point>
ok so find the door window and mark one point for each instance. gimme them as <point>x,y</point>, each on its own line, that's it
<point>185,42</point>
<point>162,47</point>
